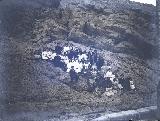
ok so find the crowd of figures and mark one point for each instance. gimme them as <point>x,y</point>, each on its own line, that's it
<point>88,64</point>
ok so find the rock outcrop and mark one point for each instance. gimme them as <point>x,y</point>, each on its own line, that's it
<point>123,32</point>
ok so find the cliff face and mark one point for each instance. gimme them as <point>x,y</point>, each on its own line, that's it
<point>123,32</point>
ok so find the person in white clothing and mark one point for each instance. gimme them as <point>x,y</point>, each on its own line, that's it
<point>69,65</point>
<point>109,74</point>
<point>116,83</point>
<point>45,55</point>
<point>65,59</point>
<point>94,67</point>
<point>86,65</point>
<point>49,54</point>
<point>52,56</point>
<point>132,85</point>
<point>77,66</point>
<point>66,48</point>
<point>83,57</point>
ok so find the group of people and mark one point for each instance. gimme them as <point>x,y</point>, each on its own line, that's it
<point>111,81</point>
<point>73,60</point>
<point>87,63</point>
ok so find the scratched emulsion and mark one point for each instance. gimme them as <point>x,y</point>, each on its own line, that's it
<point>35,76</point>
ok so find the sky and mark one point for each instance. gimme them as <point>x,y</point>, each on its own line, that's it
<point>146,1</point>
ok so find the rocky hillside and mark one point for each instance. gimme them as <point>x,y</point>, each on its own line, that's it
<point>123,32</point>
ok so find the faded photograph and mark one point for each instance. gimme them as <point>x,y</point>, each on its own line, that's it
<point>79,60</point>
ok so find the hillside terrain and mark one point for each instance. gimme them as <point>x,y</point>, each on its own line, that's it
<point>123,33</point>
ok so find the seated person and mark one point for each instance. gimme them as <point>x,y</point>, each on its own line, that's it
<point>84,70</point>
<point>94,67</point>
<point>116,84</point>
<point>46,54</point>
<point>82,56</point>
<point>65,59</point>
<point>102,84</point>
<point>71,54</point>
<point>100,81</point>
<point>57,61</point>
<point>66,48</point>
<point>77,66</point>
<point>108,83</point>
<point>94,70</point>
<point>75,54</point>
<point>69,65</point>
<point>109,74</point>
<point>125,83</point>
<point>52,56</point>
<point>85,64</point>
<point>132,86</point>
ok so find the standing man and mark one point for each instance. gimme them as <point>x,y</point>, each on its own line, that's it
<point>94,56</point>
<point>73,75</point>
<point>99,62</point>
<point>57,61</point>
<point>90,57</point>
<point>58,49</point>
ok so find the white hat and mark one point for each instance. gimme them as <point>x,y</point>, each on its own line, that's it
<point>109,67</point>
